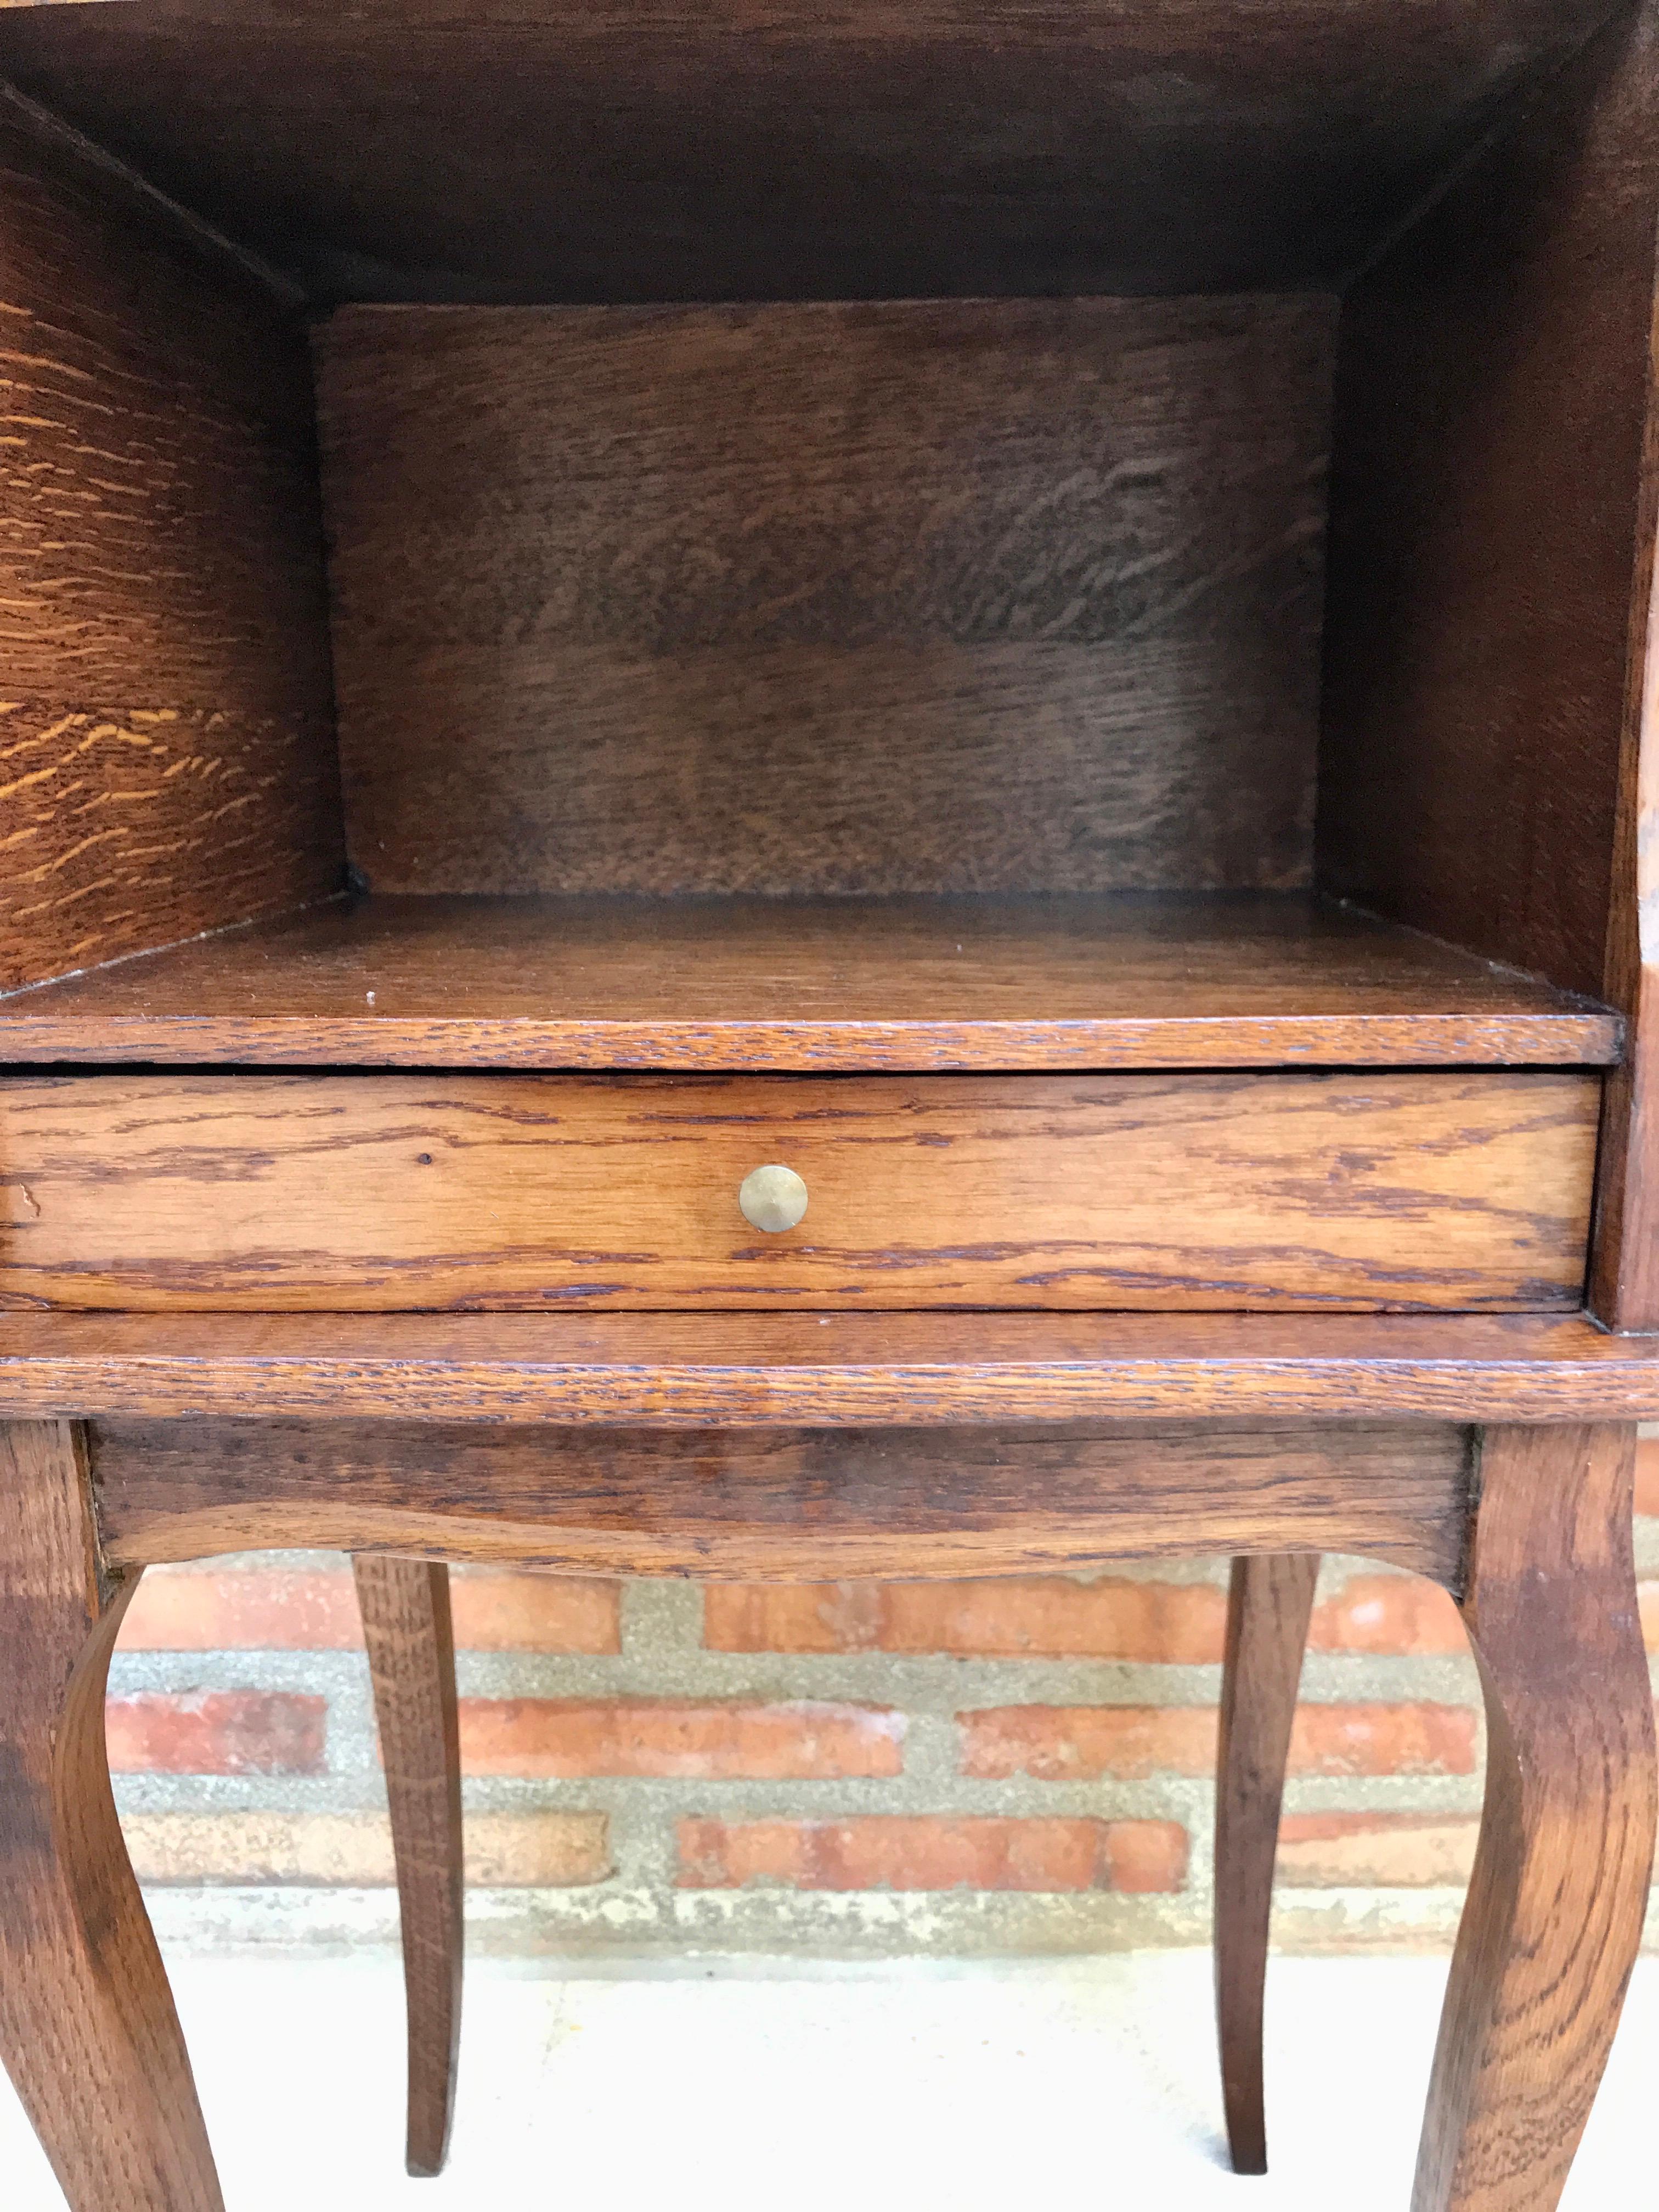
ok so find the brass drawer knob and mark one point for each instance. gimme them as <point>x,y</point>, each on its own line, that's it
<point>772,1198</point>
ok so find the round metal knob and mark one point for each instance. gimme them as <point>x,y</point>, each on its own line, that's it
<point>772,1198</point>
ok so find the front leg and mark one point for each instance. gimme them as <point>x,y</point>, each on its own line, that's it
<point>1554,1912</point>
<point>87,2030</point>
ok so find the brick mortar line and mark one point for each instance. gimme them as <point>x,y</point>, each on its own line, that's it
<point>573,1924</point>
<point>938,1684</point>
<point>303,1794</point>
<point>747,1799</point>
<point>312,1672</point>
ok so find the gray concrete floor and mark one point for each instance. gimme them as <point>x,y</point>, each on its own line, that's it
<point>979,2086</point>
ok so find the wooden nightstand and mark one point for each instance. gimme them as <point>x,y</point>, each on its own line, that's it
<point>722,855</point>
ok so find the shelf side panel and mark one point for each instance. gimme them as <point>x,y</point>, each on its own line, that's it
<point>166,752</point>
<point>1489,567</point>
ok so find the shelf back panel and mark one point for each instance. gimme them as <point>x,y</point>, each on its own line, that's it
<point>166,750</point>
<point>947,596</point>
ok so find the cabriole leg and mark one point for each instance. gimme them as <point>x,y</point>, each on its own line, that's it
<point>1554,1912</point>
<point>411,1656</point>
<point>1267,1610</point>
<point>88,2028</point>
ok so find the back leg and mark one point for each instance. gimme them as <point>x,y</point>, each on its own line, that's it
<point>411,1656</point>
<point>1267,1610</point>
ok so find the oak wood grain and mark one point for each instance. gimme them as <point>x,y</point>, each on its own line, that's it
<point>1398,1191</point>
<point>1268,1604</point>
<point>1624,1288</point>
<point>769,1371</point>
<point>785,1505</point>
<point>752,149</point>
<point>1485,769</point>
<point>407,1628</point>
<point>1554,1917</point>
<point>1475,663</point>
<point>166,762</point>
<point>87,2029</point>
<point>832,985</point>
<point>928,596</point>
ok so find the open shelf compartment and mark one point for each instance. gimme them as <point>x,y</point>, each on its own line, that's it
<point>1036,544</point>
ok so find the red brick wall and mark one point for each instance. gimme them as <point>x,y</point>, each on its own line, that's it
<point>1023,1763</point>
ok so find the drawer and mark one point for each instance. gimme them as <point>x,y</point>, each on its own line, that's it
<point>386,1192</point>
<point>1027,1191</point>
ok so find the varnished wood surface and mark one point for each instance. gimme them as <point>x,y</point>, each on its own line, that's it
<point>769,1371</point>
<point>1475,662</point>
<point>752,149</point>
<point>1269,1605</point>
<point>1554,1912</point>
<point>166,762</point>
<point>1398,1190</point>
<point>928,596</point>
<point>814,984</point>
<point>407,1628</point>
<point>1484,770</point>
<point>1625,1264</point>
<point>87,2030</point>
<point>795,1504</point>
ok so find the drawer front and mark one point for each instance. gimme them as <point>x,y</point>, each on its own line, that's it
<point>1400,1190</point>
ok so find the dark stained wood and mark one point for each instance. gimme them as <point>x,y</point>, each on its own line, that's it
<point>1269,1605</point>
<point>1475,659</point>
<point>1491,567</point>
<point>750,149</point>
<point>166,762</point>
<point>1624,1282</point>
<point>1554,1912</point>
<point>831,600</point>
<point>930,596</point>
<point>785,1505</point>
<point>404,1605</point>
<point>768,1371</point>
<point>88,2031</point>
<point>831,985</point>
<point>1624,1288</point>
<point>1302,1190</point>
